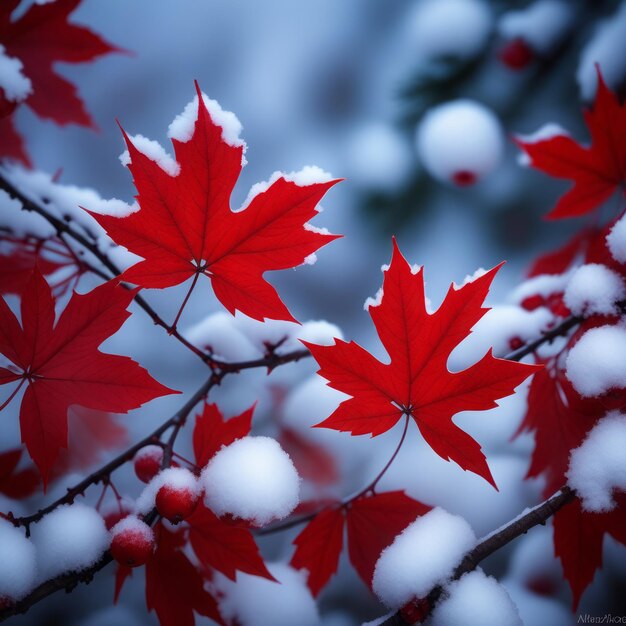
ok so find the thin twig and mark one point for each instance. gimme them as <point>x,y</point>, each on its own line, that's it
<point>493,542</point>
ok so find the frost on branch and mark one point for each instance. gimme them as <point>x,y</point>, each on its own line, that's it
<point>253,479</point>
<point>71,538</point>
<point>18,565</point>
<point>476,600</point>
<point>421,557</point>
<point>598,467</point>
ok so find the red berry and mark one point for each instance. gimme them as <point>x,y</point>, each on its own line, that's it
<point>557,306</point>
<point>516,54</point>
<point>132,543</point>
<point>533,302</point>
<point>175,503</point>
<point>463,178</point>
<point>111,518</point>
<point>515,343</point>
<point>148,462</point>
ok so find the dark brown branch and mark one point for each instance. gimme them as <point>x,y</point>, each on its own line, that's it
<point>68,581</point>
<point>496,540</point>
<point>63,228</point>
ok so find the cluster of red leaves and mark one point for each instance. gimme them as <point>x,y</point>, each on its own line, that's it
<point>175,585</point>
<point>560,420</point>
<point>41,37</point>
<point>372,522</point>
<point>557,415</point>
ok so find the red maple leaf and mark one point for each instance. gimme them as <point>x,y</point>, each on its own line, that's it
<point>211,431</point>
<point>41,37</point>
<point>16,483</point>
<point>62,366</point>
<point>226,547</point>
<point>417,382</point>
<point>558,419</point>
<point>596,171</point>
<point>185,226</point>
<point>174,586</point>
<point>372,521</point>
<point>578,539</point>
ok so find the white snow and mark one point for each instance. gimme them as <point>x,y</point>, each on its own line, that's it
<point>256,601</point>
<point>71,538</point>
<point>616,240</point>
<point>182,127</point>
<point>598,466</point>
<point>252,478</point>
<point>476,600</point>
<point>379,157</point>
<point>241,338</point>
<point>608,49</point>
<point>596,362</point>
<point>154,151</point>
<point>132,524</point>
<point>319,332</point>
<point>449,28</point>
<point>375,300</point>
<point>460,137</point>
<point>594,289</point>
<point>14,84</point>
<point>308,175</point>
<point>547,131</point>
<point>544,285</point>
<point>542,24</point>
<point>175,477</point>
<point>18,564</point>
<point>421,557</point>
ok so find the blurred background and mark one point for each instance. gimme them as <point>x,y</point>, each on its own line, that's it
<point>362,90</point>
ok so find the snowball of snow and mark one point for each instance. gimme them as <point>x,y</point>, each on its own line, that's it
<point>421,557</point>
<point>256,601</point>
<point>460,141</point>
<point>15,85</point>
<point>131,523</point>
<point>608,49</point>
<point>174,477</point>
<point>594,288</point>
<point>252,478</point>
<point>596,363</point>
<point>616,240</point>
<point>18,564</point>
<point>154,151</point>
<point>379,157</point>
<point>72,537</point>
<point>598,466</point>
<point>542,24</point>
<point>218,333</point>
<point>319,332</point>
<point>182,127</point>
<point>308,175</point>
<point>476,600</point>
<point>450,28</point>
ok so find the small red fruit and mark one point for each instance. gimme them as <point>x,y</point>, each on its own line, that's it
<point>463,178</point>
<point>175,503</point>
<point>133,542</point>
<point>148,462</point>
<point>516,54</point>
